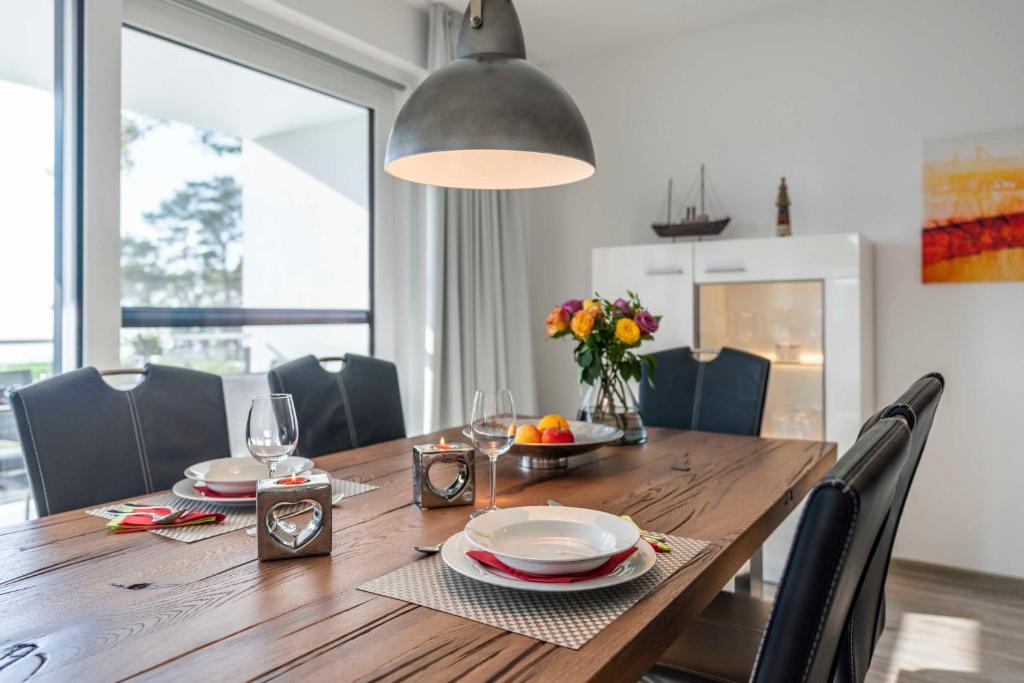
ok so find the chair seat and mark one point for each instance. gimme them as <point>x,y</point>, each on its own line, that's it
<point>719,645</point>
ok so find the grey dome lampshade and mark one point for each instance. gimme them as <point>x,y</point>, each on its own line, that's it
<point>490,120</point>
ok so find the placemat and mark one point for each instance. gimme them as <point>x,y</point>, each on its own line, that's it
<point>566,619</point>
<point>235,517</point>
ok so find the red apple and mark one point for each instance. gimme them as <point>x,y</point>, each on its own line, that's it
<point>556,435</point>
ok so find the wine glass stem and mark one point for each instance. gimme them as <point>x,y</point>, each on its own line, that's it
<point>273,469</point>
<point>494,482</point>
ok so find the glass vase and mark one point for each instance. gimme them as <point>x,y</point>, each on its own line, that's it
<point>610,401</point>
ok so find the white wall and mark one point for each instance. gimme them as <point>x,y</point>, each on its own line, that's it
<point>838,97</point>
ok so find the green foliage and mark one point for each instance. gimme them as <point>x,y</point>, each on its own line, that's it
<point>602,354</point>
<point>192,259</point>
<point>195,257</point>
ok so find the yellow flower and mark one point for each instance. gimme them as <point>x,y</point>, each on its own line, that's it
<point>627,331</point>
<point>592,306</point>
<point>558,321</point>
<point>582,324</point>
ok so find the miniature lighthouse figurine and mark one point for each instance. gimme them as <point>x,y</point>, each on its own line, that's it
<point>782,228</point>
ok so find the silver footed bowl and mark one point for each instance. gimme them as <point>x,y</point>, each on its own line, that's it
<point>589,436</point>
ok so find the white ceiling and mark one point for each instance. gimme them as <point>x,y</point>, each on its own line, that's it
<point>562,30</point>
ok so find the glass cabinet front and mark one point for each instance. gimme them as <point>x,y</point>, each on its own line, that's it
<point>783,322</point>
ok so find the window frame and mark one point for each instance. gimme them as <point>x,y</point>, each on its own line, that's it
<point>246,45</point>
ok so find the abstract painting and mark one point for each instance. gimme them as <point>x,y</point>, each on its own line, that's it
<point>973,227</point>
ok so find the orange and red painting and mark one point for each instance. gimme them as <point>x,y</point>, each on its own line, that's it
<point>973,228</point>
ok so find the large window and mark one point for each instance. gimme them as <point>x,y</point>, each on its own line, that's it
<point>245,214</point>
<point>29,169</point>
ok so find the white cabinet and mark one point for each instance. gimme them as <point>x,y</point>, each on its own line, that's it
<point>662,276</point>
<point>803,302</point>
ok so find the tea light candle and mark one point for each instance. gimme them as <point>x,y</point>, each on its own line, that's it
<point>293,480</point>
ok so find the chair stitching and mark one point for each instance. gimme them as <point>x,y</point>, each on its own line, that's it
<point>348,412</point>
<point>138,443</point>
<point>32,437</point>
<point>853,663</point>
<point>698,391</point>
<point>832,584</point>
<point>142,440</point>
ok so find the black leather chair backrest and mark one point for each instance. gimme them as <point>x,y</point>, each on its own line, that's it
<point>337,411</point>
<point>724,395</point>
<point>867,619</point>
<point>839,529</point>
<point>86,442</point>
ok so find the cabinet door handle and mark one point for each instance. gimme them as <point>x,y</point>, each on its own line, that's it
<point>664,271</point>
<point>725,269</point>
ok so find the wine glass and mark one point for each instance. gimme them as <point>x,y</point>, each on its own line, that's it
<point>493,427</point>
<point>272,432</point>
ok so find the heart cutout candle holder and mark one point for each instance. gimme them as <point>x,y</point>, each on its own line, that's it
<point>276,500</point>
<point>443,475</point>
<point>286,533</point>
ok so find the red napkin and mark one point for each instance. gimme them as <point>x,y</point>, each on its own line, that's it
<point>204,490</point>
<point>608,567</point>
<point>142,517</point>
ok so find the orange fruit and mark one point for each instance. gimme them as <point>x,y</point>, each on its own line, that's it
<point>528,434</point>
<point>549,421</point>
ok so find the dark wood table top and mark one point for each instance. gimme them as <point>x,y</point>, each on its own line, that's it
<point>80,603</point>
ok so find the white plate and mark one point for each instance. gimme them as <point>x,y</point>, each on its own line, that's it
<point>186,489</point>
<point>239,475</point>
<point>551,540</point>
<point>454,555</point>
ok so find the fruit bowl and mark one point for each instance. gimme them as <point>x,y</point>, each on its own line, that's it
<point>588,437</point>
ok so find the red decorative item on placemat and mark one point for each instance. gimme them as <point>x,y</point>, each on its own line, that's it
<point>204,490</point>
<point>608,567</point>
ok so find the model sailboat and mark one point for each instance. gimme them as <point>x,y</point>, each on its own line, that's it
<point>694,223</point>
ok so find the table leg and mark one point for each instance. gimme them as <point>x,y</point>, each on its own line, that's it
<point>752,581</point>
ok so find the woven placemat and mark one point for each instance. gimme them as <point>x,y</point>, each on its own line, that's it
<point>235,516</point>
<point>566,619</point>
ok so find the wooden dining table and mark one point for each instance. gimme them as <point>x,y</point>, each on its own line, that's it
<point>81,603</point>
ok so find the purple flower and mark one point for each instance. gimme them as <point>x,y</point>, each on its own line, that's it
<point>647,323</point>
<point>622,306</point>
<point>572,306</point>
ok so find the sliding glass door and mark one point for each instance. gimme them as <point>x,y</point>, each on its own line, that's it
<point>30,169</point>
<point>245,214</point>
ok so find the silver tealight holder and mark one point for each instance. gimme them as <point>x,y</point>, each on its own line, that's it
<point>279,499</point>
<point>452,463</point>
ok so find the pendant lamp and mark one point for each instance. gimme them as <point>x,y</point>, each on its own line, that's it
<point>490,119</point>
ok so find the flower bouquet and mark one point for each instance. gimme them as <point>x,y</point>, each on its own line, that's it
<point>607,334</point>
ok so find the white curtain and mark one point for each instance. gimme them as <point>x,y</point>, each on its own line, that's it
<point>471,276</point>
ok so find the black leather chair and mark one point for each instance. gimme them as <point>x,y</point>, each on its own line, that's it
<point>86,442</point>
<point>724,395</point>
<point>843,521</point>
<point>867,620</point>
<point>337,411</point>
<point>733,625</point>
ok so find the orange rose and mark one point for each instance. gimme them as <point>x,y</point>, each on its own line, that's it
<point>582,324</point>
<point>558,321</point>
<point>627,331</point>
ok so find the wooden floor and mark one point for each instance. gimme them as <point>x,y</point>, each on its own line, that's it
<point>949,626</point>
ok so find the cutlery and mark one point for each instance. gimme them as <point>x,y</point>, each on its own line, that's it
<point>428,549</point>
<point>157,519</point>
